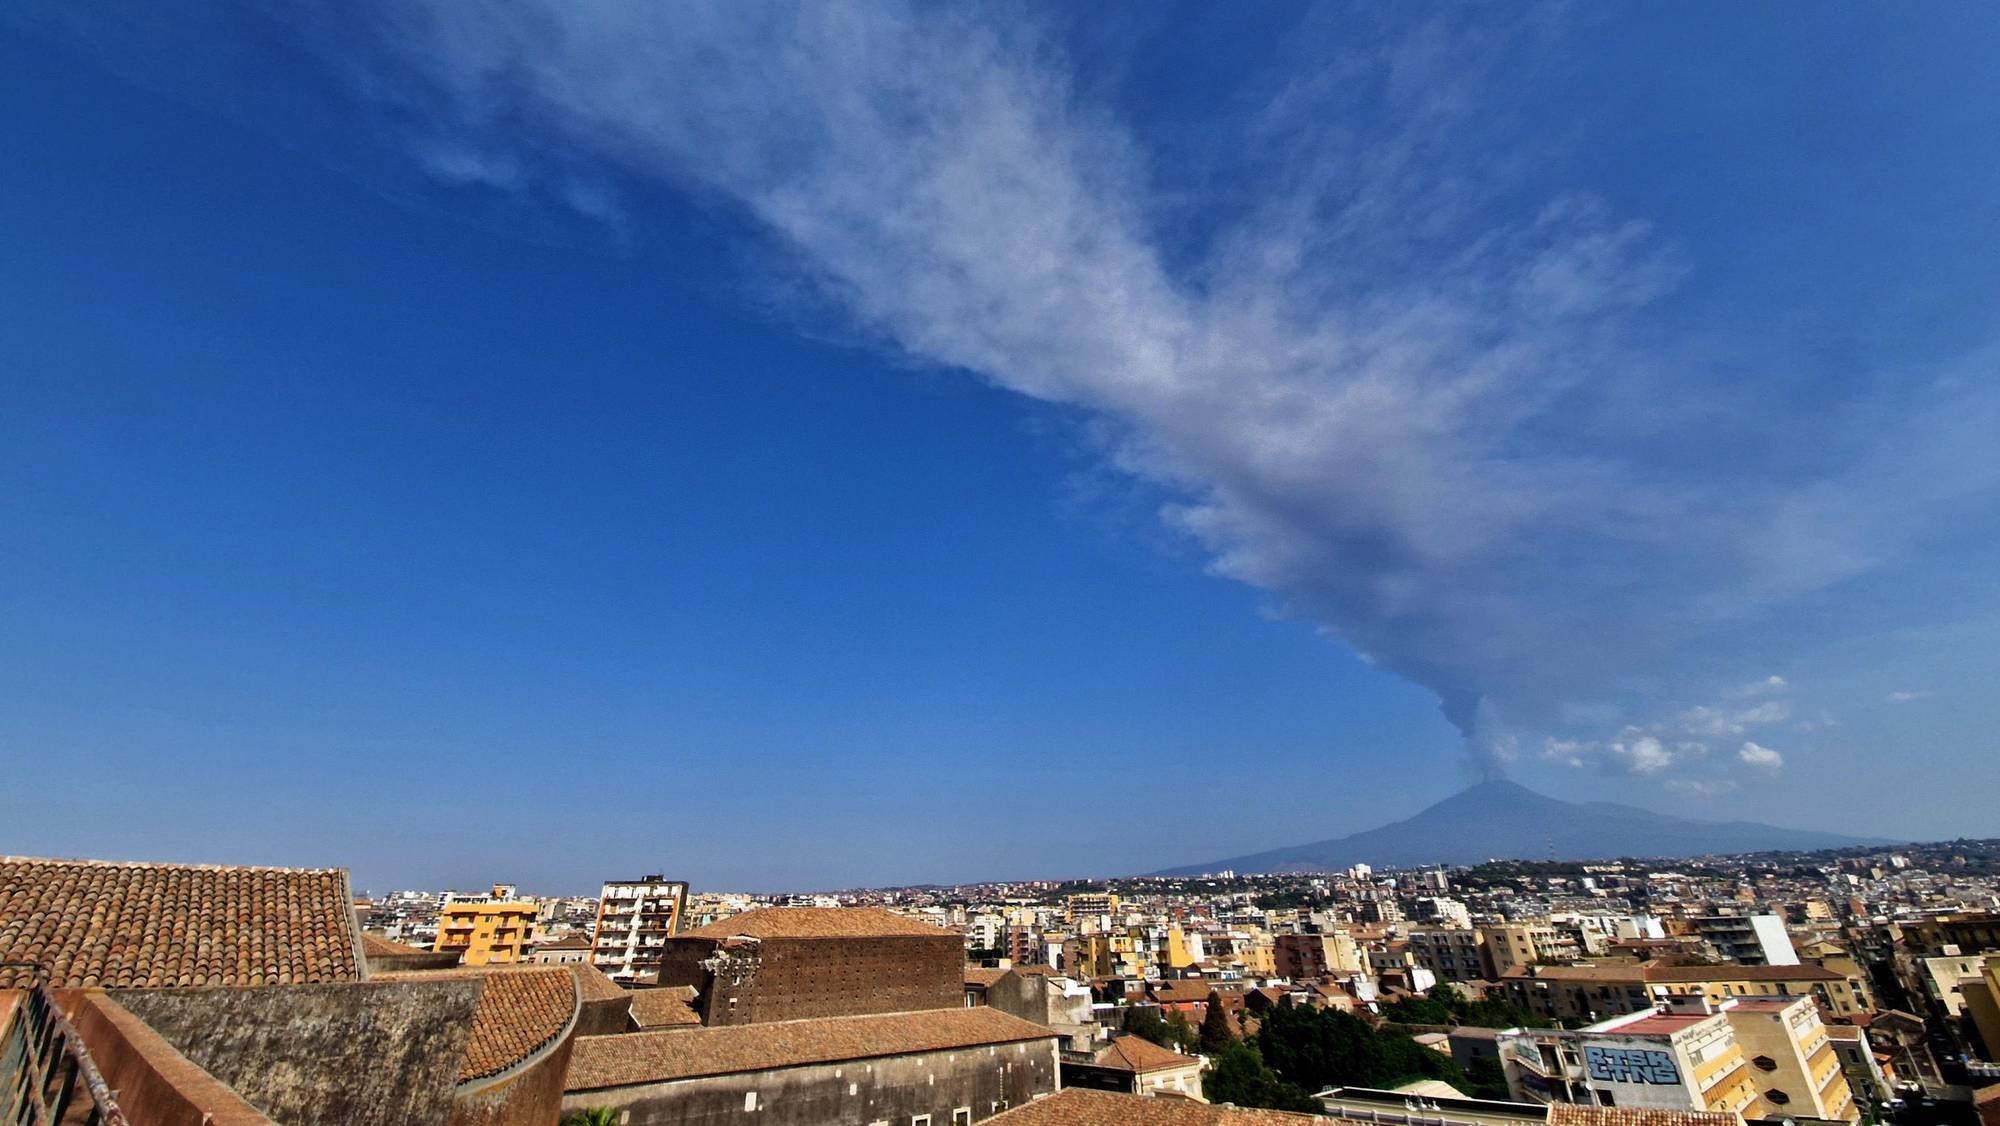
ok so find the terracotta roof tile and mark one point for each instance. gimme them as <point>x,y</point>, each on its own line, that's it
<point>521,1008</point>
<point>1140,1055</point>
<point>153,926</point>
<point>661,1008</point>
<point>598,1062</point>
<point>376,946</point>
<point>816,922</point>
<point>1079,1106</point>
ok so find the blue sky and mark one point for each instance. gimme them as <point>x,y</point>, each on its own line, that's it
<point>810,448</point>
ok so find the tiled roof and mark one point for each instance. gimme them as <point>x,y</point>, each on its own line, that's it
<point>1666,975</point>
<point>591,984</point>
<point>1138,1054</point>
<point>1181,989</point>
<point>1079,1106</point>
<point>655,1057</point>
<point>575,941</point>
<point>148,926</point>
<point>375,946</point>
<point>1572,1114</point>
<point>983,976</point>
<point>661,1008</point>
<point>816,922</point>
<point>520,1009</point>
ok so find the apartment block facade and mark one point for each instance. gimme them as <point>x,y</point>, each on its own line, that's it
<point>634,920</point>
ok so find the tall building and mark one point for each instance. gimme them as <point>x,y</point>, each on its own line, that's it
<point>634,920</point>
<point>1748,940</point>
<point>486,930</point>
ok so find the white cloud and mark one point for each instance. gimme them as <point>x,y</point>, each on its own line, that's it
<point>1381,389</point>
<point>1905,697</point>
<point>1761,757</point>
<point>1770,685</point>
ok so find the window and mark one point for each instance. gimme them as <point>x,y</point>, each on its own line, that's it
<point>920,1120</point>
<point>1777,1096</point>
<point>962,1116</point>
<point>1765,1063</point>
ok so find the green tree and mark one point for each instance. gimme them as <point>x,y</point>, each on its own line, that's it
<point>1217,1030</point>
<point>1240,1076</point>
<point>1316,1049</point>
<point>1171,1031</point>
<point>595,1116</point>
<point>1487,1078</point>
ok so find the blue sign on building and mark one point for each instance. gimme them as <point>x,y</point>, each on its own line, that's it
<point>1632,1065</point>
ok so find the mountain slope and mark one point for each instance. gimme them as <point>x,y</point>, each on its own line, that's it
<point>1505,820</point>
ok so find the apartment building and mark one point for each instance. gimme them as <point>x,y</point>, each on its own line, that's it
<point>1594,992</point>
<point>634,920</point>
<point>492,929</point>
<point>1750,940</point>
<point>1510,945</point>
<point>1673,1061</point>
<point>1451,953</point>
<point>1792,1058</point>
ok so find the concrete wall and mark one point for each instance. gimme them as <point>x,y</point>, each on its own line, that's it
<point>155,1084</point>
<point>980,1081</point>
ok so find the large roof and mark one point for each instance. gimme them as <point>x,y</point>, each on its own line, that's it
<point>598,1062</point>
<point>1080,1106</point>
<point>816,922</point>
<point>151,926</point>
<point>521,1008</point>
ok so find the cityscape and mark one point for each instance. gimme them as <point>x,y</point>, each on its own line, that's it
<point>952,562</point>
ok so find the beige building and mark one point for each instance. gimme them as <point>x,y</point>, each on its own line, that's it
<point>1757,1057</point>
<point>1509,945</point>
<point>1792,1059</point>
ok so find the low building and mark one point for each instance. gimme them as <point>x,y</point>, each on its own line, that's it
<point>562,951</point>
<point>942,1066</point>
<point>1133,1065</point>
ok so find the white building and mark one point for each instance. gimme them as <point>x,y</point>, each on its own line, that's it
<point>634,918</point>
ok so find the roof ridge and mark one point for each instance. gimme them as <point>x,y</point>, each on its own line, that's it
<point>87,863</point>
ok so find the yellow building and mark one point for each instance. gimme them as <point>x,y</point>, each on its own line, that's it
<point>1982,1003</point>
<point>1792,1060</point>
<point>487,930</point>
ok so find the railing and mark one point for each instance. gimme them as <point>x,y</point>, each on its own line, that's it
<point>41,1059</point>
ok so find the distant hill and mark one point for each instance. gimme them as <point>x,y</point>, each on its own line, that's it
<point>1506,820</point>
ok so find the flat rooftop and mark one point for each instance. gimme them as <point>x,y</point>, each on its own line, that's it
<point>1660,1024</point>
